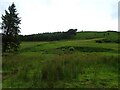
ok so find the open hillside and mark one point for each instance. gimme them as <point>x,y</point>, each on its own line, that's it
<point>87,61</point>
<point>71,34</point>
<point>112,35</point>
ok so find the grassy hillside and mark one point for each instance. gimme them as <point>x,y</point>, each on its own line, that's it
<point>68,63</point>
<point>90,35</point>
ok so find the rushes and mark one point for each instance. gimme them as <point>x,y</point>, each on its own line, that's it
<point>68,67</point>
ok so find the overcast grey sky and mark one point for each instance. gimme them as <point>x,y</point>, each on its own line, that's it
<point>40,16</point>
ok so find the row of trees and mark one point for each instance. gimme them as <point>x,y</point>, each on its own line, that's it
<point>50,36</point>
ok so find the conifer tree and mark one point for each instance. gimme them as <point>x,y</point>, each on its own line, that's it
<point>10,29</point>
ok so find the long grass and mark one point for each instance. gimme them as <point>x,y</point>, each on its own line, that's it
<point>66,68</point>
<point>47,65</point>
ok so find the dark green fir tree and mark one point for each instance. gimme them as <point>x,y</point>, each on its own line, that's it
<point>10,29</point>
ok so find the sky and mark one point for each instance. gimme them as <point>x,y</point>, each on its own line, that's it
<point>40,16</point>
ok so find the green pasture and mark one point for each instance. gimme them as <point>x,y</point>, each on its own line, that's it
<point>55,65</point>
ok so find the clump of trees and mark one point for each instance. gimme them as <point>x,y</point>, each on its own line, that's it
<point>10,29</point>
<point>55,36</point>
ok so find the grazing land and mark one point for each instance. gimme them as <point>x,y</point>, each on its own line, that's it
<point>88,60</point>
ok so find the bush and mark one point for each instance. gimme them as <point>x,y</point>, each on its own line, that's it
<point>103,41</point>
<point>98,41</point>
<point>71,48</point>
<point>117,41</point>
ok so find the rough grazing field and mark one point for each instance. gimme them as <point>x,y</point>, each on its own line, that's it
<point>62,64</point>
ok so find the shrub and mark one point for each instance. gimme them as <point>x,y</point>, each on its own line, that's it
<point>103,41</point>
<point>98,41</point>
<point>71,48</point>
<point>63,49</point>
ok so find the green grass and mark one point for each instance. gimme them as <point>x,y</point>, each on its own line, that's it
<point>91,35</point>
<point>53,65</point>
